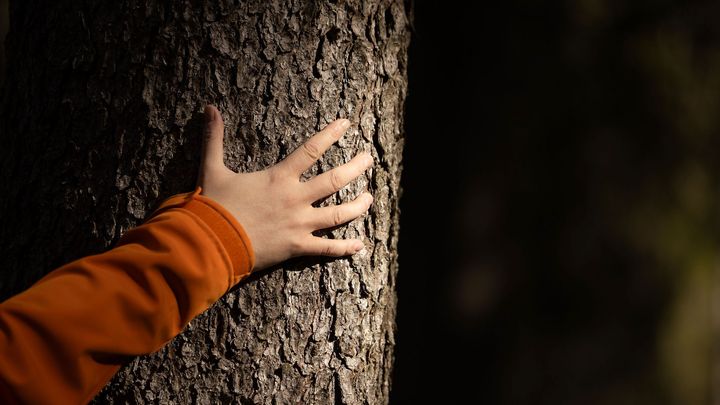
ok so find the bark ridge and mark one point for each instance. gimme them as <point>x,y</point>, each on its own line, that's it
<point>101,121</point>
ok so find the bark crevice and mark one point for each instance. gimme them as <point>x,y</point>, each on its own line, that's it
<point>105,122</point>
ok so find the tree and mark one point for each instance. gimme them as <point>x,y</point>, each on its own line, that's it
<point>101,120</point>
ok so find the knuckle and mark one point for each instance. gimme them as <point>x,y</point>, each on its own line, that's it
<point>305,218</point>
<point>337,216</point>
<point>275,175</point>
<point>335,180</point>
<point>327,250</point>
<point>297,247</point>
<point>311,150</point>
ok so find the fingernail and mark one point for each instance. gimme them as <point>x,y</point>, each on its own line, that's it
<point>369,198</point>
<point>358,246</point>
<point>208,114</point>
<point>344,124</point>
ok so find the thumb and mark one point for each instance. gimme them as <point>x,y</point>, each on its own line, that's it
<point>213,143</point>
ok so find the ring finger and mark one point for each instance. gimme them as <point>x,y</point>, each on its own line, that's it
<point>328,217</point>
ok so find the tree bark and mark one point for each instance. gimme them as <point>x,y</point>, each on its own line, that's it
<point>101,120</point>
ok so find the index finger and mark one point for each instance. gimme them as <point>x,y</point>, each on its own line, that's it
<point>309,152</point>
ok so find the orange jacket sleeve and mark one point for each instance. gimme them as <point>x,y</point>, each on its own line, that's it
<point>62,339</point>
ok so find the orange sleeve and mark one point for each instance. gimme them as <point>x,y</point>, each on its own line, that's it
<point>62,339</point>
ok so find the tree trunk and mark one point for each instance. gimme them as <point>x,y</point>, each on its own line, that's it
<point>101,120</point>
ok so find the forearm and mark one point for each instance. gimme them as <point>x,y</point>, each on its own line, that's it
<point>64,338</point>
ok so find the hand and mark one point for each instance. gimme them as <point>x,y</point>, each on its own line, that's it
<point>274,206</point>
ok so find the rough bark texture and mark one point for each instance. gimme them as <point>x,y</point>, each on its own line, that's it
<point>101,121</point>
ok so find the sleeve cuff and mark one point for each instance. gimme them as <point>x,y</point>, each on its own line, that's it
<point>227,229</point>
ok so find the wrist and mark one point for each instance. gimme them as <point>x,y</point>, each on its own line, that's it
<point>233,238</point>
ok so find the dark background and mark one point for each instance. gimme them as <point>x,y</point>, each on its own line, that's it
<point>559,225</point>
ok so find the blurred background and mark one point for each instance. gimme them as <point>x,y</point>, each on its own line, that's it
<point>559,226</point>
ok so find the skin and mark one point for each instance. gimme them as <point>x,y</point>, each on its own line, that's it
<point>274,206</point>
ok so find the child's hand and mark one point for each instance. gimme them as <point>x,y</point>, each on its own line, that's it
<point>274,206</point>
